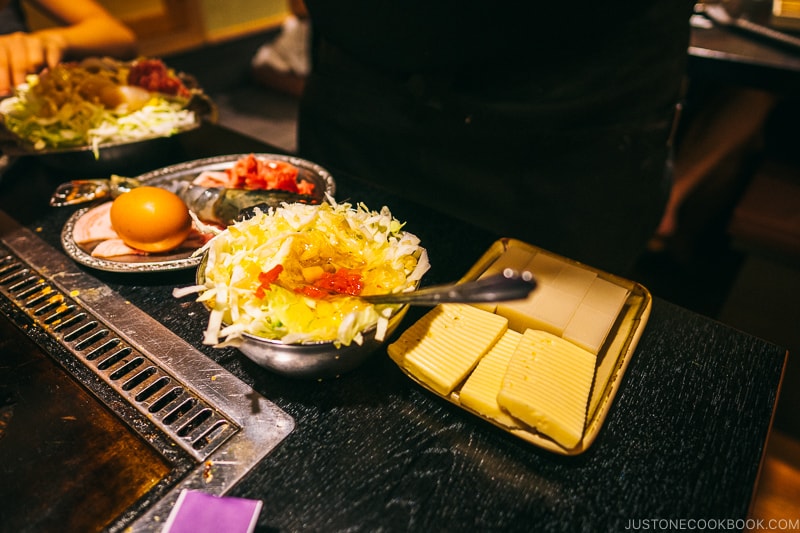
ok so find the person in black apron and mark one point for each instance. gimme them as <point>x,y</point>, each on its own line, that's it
<point>546,123</point>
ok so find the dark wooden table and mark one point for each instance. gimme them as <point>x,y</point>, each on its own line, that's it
<point>725,55</point>
<point>373,451</point>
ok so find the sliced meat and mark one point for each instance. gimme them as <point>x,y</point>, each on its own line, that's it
<point>94,225</point>
<point>114,248</point>
<point>210,178</point>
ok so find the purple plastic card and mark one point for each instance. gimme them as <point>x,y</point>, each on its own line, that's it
<point>198,512</point>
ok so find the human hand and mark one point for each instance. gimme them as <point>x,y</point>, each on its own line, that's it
<point>25,53</point>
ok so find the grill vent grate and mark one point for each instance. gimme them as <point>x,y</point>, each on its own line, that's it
<point>139,378</point>
<point>212,427</point>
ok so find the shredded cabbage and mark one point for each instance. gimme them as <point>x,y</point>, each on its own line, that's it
<point>303,240</point>
<point>80,122</point>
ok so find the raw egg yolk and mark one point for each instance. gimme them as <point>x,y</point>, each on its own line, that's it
<point>151,219</point>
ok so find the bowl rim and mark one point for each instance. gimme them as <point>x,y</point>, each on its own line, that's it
<point>20,147</point>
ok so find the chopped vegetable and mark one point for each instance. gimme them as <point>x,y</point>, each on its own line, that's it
<point>294,273</point>
<point>251,172</point>
<point>254,173</point>
<point>153,75</point>
<point>97,101</point>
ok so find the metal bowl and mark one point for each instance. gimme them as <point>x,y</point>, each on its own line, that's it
<point>319,360</point>
<point>131,157</point>
<point>112,157</point>
<point>313,360</point>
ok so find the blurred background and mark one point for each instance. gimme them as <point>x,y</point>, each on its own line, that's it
<point>170,26</point>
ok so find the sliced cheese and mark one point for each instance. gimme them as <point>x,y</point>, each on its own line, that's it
<point>443,346</point>
<point>479,393</point>
<point>596,314</point>
<point>547,385</point>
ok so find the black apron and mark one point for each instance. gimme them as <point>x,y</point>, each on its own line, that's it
<point>552,128</point>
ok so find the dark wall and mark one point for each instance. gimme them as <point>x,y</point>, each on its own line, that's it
<point>222,66</point>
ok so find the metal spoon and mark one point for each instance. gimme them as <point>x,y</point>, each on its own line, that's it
<point>508,285</point>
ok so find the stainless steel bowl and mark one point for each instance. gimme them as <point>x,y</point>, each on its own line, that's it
<point>319,360</point>
<point>112,157</point>
<point>314,360</point>
<point>130,158</point>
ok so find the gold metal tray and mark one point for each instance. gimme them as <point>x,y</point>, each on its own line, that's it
<point>612,360</point>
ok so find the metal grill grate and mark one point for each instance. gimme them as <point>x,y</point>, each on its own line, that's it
<point>134,364</point>
<point>175,409</point>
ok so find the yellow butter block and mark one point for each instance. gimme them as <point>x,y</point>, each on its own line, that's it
<point>596,314</point>
<point>574,280</point>
<point>560,289</point>
<point>479,393</point>
<point>545,267</point>
<point>606,296</point>
<point>546,308</point>
<point>516,258</point>
<point>589,328</point>
<point>443,346</point>
<point>547,385</point>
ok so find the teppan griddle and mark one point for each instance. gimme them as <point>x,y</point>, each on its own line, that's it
<point>105,414</point>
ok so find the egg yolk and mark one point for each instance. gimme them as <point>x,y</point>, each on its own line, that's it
<point>151,219</point>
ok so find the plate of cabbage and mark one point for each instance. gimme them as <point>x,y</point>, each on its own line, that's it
<point>100,113</point>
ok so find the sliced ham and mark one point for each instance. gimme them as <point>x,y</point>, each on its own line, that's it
<point>114,248</point>
<point>94,225</point>
<point>211,178</point>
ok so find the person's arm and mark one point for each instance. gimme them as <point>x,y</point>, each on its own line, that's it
<point>87,29</point>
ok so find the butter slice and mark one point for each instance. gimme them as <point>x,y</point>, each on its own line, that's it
<point>443,346</point>
<point>514,257</point>
<point>547,385</point>
<point>596,314</point>
<point>546,308</point>
<point>545,267</point>
<point>551,306</point>
<point>574,280</point>
<point>479,393</point>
